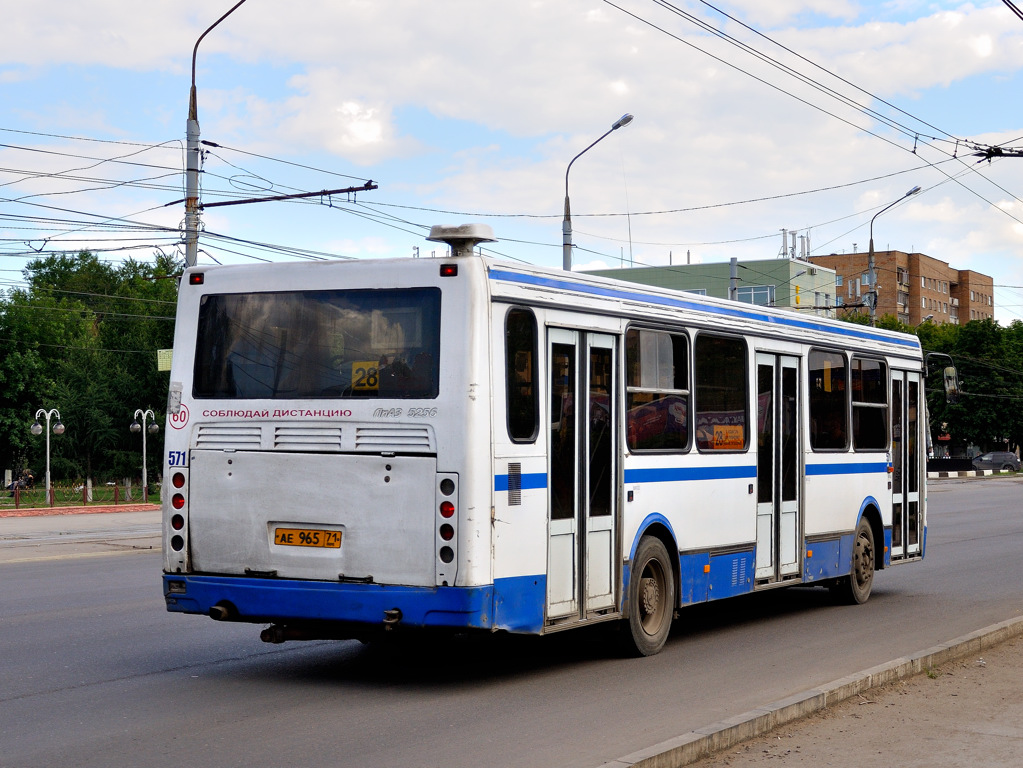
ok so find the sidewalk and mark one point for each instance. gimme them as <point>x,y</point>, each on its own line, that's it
<point>59,533</point>
<point>959,713</point>
<point>956,704</point>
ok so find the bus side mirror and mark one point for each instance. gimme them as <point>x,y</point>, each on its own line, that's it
<point>951,384</point>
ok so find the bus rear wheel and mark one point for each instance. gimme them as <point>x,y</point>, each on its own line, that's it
<point>651,597</point>
<point>854,589</point>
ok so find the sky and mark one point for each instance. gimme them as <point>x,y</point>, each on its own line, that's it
<point>750,117</point>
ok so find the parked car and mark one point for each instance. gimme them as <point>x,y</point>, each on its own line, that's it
<point>1000,460</point>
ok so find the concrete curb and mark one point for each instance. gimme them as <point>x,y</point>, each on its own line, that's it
<point>690,747</point>
<point>967,473</point>
<point>95,510</point>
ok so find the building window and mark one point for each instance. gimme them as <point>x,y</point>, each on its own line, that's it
<point>657,387</point>
<point>838,281</point>
<point>721,383</point>
<point>697,291</point>
<point>762,295</point>
<point>923,281</point>
<point>923,303</point>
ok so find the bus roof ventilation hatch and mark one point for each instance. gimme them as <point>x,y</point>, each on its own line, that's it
<point>462,239</point>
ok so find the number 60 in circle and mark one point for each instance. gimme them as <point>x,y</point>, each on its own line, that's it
<point>180,419</point>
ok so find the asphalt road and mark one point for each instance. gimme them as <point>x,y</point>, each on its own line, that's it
<point>96,673</point>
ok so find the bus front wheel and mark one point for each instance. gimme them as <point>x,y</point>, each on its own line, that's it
<point>854,589</point>
<point>651,597</point>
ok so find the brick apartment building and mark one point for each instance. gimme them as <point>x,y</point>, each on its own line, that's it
<point>911,287</point>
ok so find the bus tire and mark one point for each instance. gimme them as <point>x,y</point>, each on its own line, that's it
<point>854,589</point>
<point>651,597</point>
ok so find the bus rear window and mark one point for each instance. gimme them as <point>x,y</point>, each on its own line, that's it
<point>316,344</point>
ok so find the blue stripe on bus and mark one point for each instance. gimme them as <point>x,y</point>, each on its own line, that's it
<point>854,331</point>
<point>530,481</point>
<point>519,603</point>
<point>846,469</point>
<point>536,480</point>
<point>265,600</point>
<point>680,474</point>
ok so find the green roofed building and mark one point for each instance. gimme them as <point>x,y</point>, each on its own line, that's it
<point>783,282</point>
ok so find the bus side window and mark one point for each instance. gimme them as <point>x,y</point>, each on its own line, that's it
<point>829,409</point>
<point>657,366</point>
<point>722,393</point>
<point>870,404</point>
<point>520,340</point>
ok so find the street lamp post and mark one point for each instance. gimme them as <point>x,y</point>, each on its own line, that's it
<point>870,257</point>
<point>58,429</point>
<point>566,227</point>
<point>192,158</point>
<point>152,429</point>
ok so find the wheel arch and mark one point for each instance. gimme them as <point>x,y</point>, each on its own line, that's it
<point>871,512</point>
<point>658,526</point>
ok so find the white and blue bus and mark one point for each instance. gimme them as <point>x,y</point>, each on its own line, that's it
<point>379,446</point>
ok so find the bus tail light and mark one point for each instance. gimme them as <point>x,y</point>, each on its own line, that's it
<point>176,522</point>
<point>446,527</point>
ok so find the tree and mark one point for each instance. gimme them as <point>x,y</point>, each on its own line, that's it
<point>82,337</point>
<point>989,360</point>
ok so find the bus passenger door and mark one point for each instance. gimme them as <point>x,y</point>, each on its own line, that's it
<point>778,517</point>
<point>582,531</point>
<point>907,520</point>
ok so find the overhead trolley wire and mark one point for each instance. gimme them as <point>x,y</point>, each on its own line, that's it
<point>824,89</point>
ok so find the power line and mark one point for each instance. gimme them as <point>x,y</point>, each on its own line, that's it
<point>1012,7</point>
<point>766,59</point>
<point>827,71</point>
<point>807,81</point>
<point>33,344</point>
<point>284,162</point>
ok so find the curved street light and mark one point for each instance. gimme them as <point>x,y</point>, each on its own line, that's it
<point>192,154</point>
<point>153,428</point>
<point>870,256</point>
<point>58,429</point>
<point>566,226</point>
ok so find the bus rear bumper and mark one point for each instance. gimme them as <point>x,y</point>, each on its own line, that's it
<point>258,600</point>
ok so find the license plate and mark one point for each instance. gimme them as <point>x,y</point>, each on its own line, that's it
<point>307,537</point>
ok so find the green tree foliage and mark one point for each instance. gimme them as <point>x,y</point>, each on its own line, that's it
<point>989,361</point>
<point>82,338</point>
